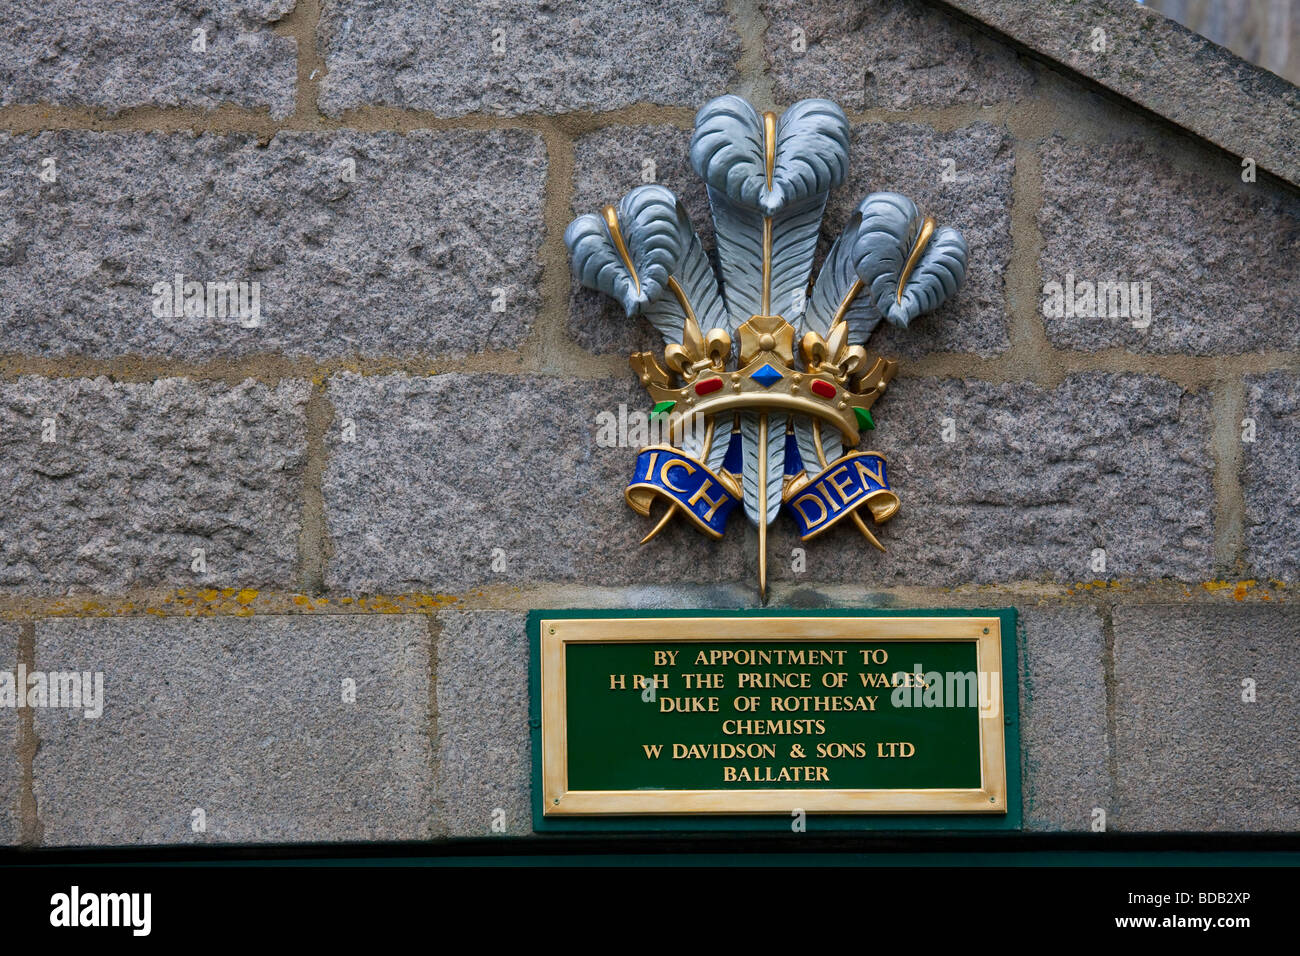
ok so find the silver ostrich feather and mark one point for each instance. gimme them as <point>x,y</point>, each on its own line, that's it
<point>810,157</point>
<point>881,245</point>
<point>662,245</point>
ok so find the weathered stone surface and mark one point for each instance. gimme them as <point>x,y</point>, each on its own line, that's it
<point>885,53</point>
<point>905,158</point>
<point>1034,480</point>
<point>1219,254</point>
<point>1192,755</point>
<point>513,57</point>
<point>460,481</point>
<point>1270,479</point>
<point>1063,719</point>
<point>484,746</point>
<point>914,160</point>
<point>139,474</point>
<point>606,165</point>
<point>10,772</point>
<point>141,53</point>
<point>403,260</point>
<point>245,719</point>
<point>1166,68</point>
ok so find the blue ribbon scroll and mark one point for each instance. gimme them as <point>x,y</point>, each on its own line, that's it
<point>663,471</point>
<point>847,483</point>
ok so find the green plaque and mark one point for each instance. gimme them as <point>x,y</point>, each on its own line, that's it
<point>851,715</point>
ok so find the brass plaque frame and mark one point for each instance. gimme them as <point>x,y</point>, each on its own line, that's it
<point>559,801</point>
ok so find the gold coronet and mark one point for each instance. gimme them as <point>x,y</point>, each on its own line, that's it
<point>837,378</point>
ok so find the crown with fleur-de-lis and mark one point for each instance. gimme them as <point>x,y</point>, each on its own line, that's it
<point>748,423</point>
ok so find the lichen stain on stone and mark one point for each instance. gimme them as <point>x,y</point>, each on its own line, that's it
<point>246,602</point>
<point>1242,589</point>
<point>1098,585</point>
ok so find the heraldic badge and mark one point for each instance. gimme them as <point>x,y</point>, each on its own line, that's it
<point>751,418</point>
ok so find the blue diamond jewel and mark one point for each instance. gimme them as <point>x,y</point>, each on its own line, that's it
<point>767,376</point>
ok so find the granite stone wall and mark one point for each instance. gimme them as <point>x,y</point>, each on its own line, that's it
<point>299,541</point>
